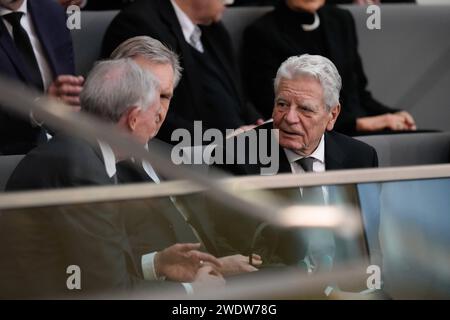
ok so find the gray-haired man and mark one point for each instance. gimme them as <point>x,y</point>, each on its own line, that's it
<point>92,237</point>
<point>152,55</point>
<point>305,110</point>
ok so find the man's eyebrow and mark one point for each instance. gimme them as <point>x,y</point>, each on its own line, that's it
<point>307,105</point>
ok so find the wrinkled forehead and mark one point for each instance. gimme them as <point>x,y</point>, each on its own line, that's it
<point>304,91</point>
<point>303,85</point>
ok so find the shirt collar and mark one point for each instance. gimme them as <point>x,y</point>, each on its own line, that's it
<point>318,154</point>
<point>187,26</point>
<point>109,158</point>
<point>23,8</point>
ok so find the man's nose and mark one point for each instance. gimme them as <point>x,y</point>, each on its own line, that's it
<point>291,115</point>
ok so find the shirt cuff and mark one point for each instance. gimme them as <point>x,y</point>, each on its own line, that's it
<point>148,267</point>
<point>188,288</point>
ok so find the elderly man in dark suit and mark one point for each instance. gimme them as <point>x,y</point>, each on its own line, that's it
<point>91,237</point>
<point>35,49</point>
<point>298,26</point>
<point>210,88</point>
<point>305,112</point>
<point>150,232</point>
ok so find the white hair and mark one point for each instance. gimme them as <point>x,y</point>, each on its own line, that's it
<point>317,67</point>
<point>150,49</point>
<point>115,85</point>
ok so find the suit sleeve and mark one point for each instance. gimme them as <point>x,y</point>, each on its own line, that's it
<point>124,26</point>
<point>249,113</point>
<point>94,238</point>
<point>375,159</point>
<point>106,5</point>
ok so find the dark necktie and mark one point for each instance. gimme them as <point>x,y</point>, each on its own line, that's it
<point>130,172</point>
<point>312,195</point>
<point>321,244</point>
<point>25,48</point>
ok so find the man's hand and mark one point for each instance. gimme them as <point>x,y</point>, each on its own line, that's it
<point>67,3</point>
<point>238,263</point>
<point>399,121</point>
<point>408,120</point>
<point>182,261</point>
<point>207,277</point>
<point>67,88</point>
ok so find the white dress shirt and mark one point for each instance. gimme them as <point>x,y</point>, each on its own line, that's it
<point>191,32</point>
<point>318,165</point>
<point>27,23</point>
<point>147,260</point>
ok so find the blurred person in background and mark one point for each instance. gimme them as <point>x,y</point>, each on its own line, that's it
<point>93,237</point>
<point>210,88</point>
<point>307,26</point>
<point>305,111</point>
<point>165,221</point>
<point>36,50</point>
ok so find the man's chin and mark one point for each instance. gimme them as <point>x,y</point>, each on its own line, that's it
<point>291,145</point>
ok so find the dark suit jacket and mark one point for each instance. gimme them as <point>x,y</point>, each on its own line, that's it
<point>270,40</point>
<point>157,19</point>
<point>17,135</point>
<point>37,245</point>
<point>341,152</point>
<point>382,1</point>
<point>157,223</point>
<point>106,5</point>
<point>251,3</point>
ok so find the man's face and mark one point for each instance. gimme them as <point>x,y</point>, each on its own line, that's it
<point>300,114</point>
<point>11,4</point>
<point>305,5</point>
<point>207,11</point>
<point>147,122</point>
<point>165,75</point>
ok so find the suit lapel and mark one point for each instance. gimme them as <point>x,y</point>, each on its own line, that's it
<point>285,167</point>
<point>14,55</point>
<point>287,33</point>
<point>283,163</point>
<point>43,30</point>
<point>332,38</point>
<point>170,19</point>
<point>334,156</point>
<point>211,41</point>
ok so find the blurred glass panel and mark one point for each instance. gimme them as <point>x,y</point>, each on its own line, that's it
<point>41,246</point>
<point>415,238</point>
<point>403,227</point>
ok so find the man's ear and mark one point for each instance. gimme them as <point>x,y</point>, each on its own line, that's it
<point>334,113</point>
<point>130,118</point>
